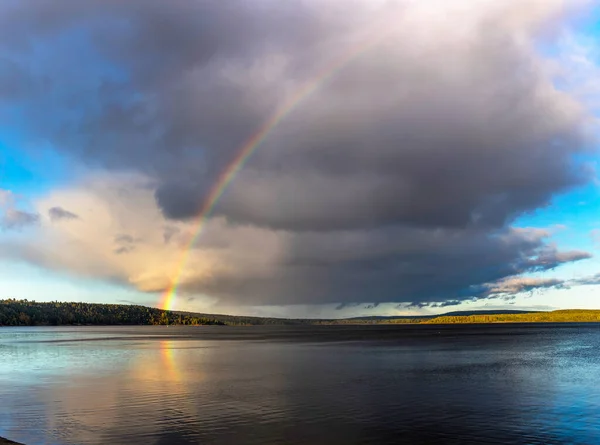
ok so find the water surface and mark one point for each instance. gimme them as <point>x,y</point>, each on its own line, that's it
<point>494,384</point>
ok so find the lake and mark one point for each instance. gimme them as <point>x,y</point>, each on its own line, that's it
<point>484,384</point>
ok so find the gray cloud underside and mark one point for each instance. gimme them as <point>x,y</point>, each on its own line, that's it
<point>396,265</point>
<point>395,181</point>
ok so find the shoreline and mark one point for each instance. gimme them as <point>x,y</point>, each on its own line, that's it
<point>4,441</point>
<point>312,325</point>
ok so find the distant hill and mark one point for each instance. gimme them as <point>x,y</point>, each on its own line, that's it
<point>446,314</point>
<point>486,312</point>
<point>560,316</point>
<point>30,313</point>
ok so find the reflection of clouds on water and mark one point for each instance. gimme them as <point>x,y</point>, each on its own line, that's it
<point>37,358</point>
<point>55,378</point>
<point>155,390</point>
<point>79,392</point>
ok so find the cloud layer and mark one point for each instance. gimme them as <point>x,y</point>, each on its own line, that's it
<point>396,181</point>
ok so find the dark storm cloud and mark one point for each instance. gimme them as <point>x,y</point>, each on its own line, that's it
<point>392,139</point>
<point>395,181</point>
<point>154,76</point>
<point>397,265</point>
<point>58,213</point>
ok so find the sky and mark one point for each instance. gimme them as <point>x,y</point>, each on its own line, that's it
<point>301,159</point>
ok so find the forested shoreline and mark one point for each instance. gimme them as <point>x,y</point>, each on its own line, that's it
<point>30,313</point>
<point>560,316</point>
<point>15,312</point>
<point>4,441</point>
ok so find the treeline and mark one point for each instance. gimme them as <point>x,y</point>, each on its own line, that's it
<point>560,316</point>
<point>30,313</point>
<point>369,321</point>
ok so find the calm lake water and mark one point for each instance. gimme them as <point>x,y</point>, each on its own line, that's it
<point>500,384</point>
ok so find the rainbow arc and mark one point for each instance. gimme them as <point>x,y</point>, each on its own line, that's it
<point>250,146</point>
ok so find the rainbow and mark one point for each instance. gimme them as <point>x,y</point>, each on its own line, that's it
<point>250,146</point>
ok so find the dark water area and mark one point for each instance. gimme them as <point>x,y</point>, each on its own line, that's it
<point>487,384</point>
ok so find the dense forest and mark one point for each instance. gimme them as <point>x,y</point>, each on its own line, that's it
<point>29,313</point>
